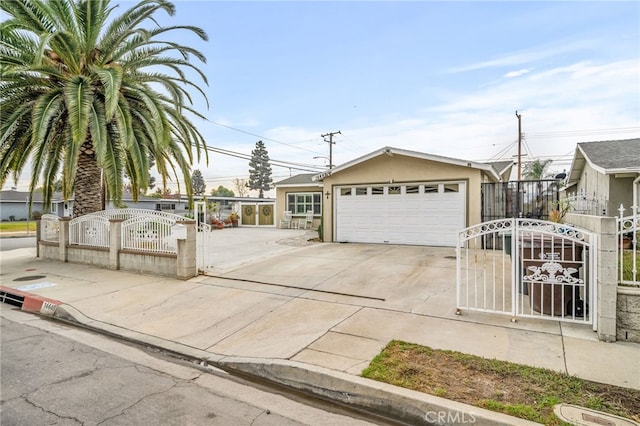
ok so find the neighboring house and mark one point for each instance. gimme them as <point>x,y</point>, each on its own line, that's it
<point>605,174</point>
<point>14,205</point>
<point>170,205</point>
<point>392,196</point>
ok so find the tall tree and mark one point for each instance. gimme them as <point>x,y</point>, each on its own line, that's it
<point>197,181</point>
<point>536,170</point>
<point>92,95</point>
<point>260,169</point>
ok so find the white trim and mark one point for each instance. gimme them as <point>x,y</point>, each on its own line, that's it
<point>420,155</point>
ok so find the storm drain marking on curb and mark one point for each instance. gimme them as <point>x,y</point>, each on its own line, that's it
<point>35,286</point>
<point>48,308</point>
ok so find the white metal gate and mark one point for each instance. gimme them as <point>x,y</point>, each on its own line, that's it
<point>204,237</point>
<point>527,268</point>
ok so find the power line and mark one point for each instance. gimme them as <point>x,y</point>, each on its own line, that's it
<point>577,133</point>
<point>273,162</point>
<point>266,138</point>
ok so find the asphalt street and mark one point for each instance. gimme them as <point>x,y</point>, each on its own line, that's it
<point>16,243</point>
<point>52,373</point>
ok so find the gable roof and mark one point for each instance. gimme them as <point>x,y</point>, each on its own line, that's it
<point>607,157</point>
<point>415,154</point>
<point>303,179</point>
<point>501,167</point>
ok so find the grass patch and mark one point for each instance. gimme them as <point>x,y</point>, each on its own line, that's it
<point>17,226</point>
<point>518,390</point>
<point>627,264</point>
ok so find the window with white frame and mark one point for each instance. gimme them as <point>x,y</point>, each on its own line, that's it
<point>302,202</point>
<point>165,206</point>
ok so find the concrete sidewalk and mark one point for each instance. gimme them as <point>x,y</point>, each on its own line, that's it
<point>321,310</point>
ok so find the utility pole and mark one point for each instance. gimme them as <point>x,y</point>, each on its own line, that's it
<point>331,143</point>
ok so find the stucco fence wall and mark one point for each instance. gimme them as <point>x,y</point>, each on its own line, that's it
<point>618,313</point>
<point>181,265</point>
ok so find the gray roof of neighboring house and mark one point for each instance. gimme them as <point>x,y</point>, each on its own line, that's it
<point>608,157</point>
<point>21,196</point>
<point>620,154</point>
<point>501,166</point>
<point>301,179</point>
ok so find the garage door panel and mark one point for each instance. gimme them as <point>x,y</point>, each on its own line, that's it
<point>422,219</point>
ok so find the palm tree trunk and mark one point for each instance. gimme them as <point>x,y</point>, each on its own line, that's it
<point>88,182</point>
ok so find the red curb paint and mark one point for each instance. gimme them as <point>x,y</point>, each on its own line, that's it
<point>32,302</point>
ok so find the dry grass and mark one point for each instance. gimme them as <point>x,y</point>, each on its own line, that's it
<point>526,392</point>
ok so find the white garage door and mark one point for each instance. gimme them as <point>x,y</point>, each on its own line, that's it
<point>422,213</point>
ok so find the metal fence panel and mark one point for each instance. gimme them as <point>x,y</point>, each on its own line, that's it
<point>148,233</point>
<point>89,230</point>
<point>527,268</point>
<point>526,199</point>
<point>628,229</point>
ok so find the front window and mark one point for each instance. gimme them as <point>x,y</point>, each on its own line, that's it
<point>301,203</point>
<point>165,206</point>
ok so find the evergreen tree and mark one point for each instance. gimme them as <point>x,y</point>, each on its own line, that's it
<point>197,181</point>
<point>260,170</point>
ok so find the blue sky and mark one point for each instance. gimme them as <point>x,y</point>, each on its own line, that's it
<point>439,77</point>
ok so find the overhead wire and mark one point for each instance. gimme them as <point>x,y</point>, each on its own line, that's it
<point>266,138</point>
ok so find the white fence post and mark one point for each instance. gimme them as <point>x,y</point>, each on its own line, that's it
<point>115,242</point>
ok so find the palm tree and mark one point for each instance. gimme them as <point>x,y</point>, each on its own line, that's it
<point>92,96</point>
<point>536,169</point>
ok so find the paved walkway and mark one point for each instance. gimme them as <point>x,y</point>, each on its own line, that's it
<point>276,296</point>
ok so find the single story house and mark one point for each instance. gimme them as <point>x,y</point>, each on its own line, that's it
<point>393,196</point>
<point>606,173</point>
<point>14,205</point>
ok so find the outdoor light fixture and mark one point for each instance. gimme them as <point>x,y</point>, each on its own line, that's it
<point>327,194</point>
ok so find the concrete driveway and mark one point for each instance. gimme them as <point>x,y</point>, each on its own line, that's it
<point>403,277</point>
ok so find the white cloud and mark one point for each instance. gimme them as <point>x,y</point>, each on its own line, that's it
<point>528,55</point>
<point>518,73</point>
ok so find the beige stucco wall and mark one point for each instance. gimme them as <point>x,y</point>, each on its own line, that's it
<point>281,200</point>
<point>402,169</point>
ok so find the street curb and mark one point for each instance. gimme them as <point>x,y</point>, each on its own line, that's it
<point>412,407</point>
<point>32,302</point>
